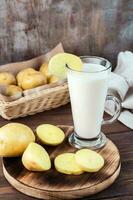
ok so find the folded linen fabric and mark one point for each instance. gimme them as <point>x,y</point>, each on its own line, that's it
<point>121,85</point>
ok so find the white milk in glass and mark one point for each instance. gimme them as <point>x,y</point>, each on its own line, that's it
<point>88,92</point>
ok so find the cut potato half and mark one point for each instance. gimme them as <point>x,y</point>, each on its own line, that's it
<point>88,160</point>
<point>50,134</point>
<point>66,164</point>
<point>35,158</point>
<point>57,64</point>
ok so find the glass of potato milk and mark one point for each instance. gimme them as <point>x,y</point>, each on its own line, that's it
<point>88,93</point>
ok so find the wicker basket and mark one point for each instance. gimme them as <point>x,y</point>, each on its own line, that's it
<point>34,103</point>
<point>39,99</point>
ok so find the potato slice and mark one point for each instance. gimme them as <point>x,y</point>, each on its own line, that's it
<point>14,138</point>
<point>57,64</point>
<point>66,164</point>
<point>50,134</point>
<point>88,160</point>
<point>35,158</point>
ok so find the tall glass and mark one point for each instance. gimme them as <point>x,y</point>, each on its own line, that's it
<point>88,93</point>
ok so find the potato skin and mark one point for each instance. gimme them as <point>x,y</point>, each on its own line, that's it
<point>14,138</point>
<point>7,78</point>
<point>33,80</point>
<point>20,75</point>
<point>53,79</point>
<point>13,90</point>
<point>44,70</point>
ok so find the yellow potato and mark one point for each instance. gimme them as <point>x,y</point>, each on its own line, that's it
<point>66,164</point>
<point>32,80</point>
<point>50,134</point>
<point>20,75</point>
<point>44,70</point>
<point>13,90</point>
<point>14,138</point>
<point>7,78</point>
<point>35,158</point>
<point>50,78</point>
<point>53,79</point>
<point>88,160</point>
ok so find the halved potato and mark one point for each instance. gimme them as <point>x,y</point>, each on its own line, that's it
<point>66,164</point>
<point>88,160</point>
<point>57,64</point>
<point>50,134</point>
<point>14,138</point>
<point>36,158</point>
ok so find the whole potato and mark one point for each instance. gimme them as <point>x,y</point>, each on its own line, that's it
<point>53,79</point>
<point>20,74</point>
<point>44,70</point>
<point>13,90</point>
<point>7,78</point>
<point>33,80</point>
<point>14,138</point>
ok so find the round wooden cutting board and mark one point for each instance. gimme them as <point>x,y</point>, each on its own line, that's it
<point>53,185</point>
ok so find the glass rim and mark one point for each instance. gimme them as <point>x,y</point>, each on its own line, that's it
<point>98,71</point>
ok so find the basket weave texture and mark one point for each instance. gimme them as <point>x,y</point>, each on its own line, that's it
<point>34,103</point>
<point>37,100</point>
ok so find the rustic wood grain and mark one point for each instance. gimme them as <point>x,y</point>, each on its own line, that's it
<point>54,185</point>
<point>95,27</point>
<point>118,133</point>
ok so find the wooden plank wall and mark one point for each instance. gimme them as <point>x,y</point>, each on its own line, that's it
<point>85,27</point>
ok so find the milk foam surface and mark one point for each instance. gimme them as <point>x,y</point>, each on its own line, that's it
<point>88,90</point>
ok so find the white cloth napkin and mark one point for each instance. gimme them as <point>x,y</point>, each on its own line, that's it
<point>121,85</point>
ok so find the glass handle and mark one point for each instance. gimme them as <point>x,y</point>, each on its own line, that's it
<point>117,109</point>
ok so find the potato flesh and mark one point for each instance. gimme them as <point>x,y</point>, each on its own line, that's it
<point>14,138</point>
<point>66,164</point>
<point>50,134</point>
<point>35,158</point>
<point>88,160</point>
<point>57,64</point>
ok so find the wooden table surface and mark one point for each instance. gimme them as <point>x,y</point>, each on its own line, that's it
<point>122,189</point>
